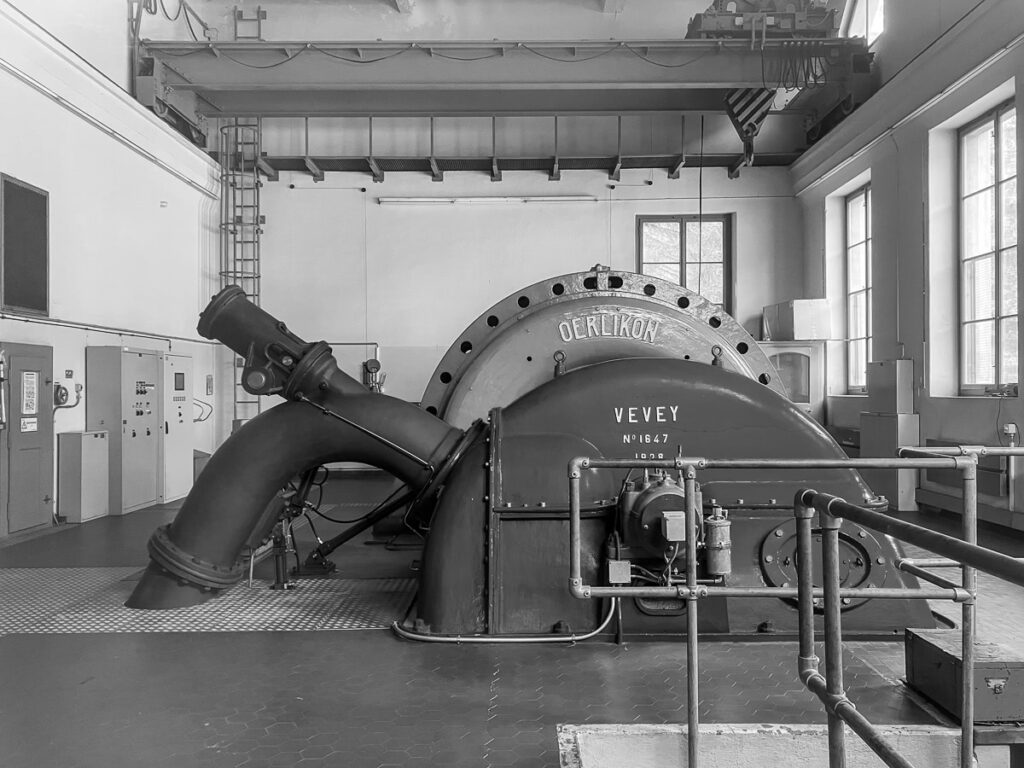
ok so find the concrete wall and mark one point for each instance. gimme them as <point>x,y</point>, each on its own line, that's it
<point>340,266</point>
<point>902,140</point>
<point>133,215</point>
<point>96,32</point>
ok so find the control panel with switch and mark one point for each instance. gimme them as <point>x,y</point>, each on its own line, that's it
<point>123,398</point>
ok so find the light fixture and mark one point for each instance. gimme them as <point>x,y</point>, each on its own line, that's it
<point>486,200</point>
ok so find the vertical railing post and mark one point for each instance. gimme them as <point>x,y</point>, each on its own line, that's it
<point>692,697</point>
<point>805,584</point>
<point>969,474</point>
<point>833,636</point>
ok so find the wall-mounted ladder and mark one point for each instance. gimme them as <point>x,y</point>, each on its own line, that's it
<point>241,230</point>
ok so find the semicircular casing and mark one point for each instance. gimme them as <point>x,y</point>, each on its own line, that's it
<point>584,318</point>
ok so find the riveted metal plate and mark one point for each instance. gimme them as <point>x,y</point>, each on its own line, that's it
<point>589,317</point>
<point>862,559</point>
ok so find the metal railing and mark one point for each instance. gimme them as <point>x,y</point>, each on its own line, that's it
<point>831,510</point>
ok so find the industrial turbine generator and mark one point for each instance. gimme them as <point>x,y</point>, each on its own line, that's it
<point>601,364</point>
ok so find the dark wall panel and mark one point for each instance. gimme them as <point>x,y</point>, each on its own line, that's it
<point>24,244</point>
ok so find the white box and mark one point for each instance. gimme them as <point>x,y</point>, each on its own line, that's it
<point>797,320</point>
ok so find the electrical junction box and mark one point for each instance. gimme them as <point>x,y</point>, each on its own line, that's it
<point>673,524</point>
<point>935,668</point>
<point>619,572</point>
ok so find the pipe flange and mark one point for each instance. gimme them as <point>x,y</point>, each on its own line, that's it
<point>183,565</point>
<point>862,559</point>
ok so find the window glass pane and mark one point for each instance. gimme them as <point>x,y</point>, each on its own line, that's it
<point>979,289</point>
<point>1008,351</point>
<point>868,305</point>
<point>709,248</point>
<point>977,148</point>
<point>795,371</point>
<point>979,223</point>
<point>857,316</point>
<point>1008,282</point>
<point>979,353</point>
<point>856,360</point>
<point>660,241</point>
<point>859,19</point>
<point>857,275</point>
<point>668,272</point>
<point>711,283</point>
<point>855,218</point>
<point>876,19</point>
<point>693,277</point>
<point>1008,144</point>
<point>1008,213</point>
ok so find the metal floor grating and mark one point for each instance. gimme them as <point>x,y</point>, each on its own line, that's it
<point>86,600</point>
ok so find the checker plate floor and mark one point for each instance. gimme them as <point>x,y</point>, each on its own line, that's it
<point>79,600</point>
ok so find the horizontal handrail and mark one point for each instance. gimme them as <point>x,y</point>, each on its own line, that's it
<point>954,552</point>
<point>989,561</point>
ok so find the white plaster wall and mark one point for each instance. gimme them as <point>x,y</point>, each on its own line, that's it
<point>133,216</point>
<point>913,25</point>
<point>95,30</point>
<point>338,265</point>
<point>888,140</point>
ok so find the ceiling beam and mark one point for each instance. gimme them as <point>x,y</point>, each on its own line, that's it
<point>440,65</point>
<point>404,6</point>
<point>225,100</point>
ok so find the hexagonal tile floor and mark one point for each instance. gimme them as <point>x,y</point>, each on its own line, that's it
<point>365,699</point>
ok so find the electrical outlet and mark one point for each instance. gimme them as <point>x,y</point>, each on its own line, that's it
<point>1009,429</point>
<point>68,373</point>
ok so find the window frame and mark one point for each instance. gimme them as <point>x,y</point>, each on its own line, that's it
<point>727,221</point>
<point>868,290</point>
<point>4,305</point>
<point>993,116</point>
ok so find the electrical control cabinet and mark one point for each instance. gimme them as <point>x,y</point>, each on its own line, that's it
<point>122,396</point>
<point>83,475</point>
<point>178,427</point>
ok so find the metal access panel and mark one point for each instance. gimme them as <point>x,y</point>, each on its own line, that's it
<point>178,430</point>
<point>123,397</point>
<point>26,437</point>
